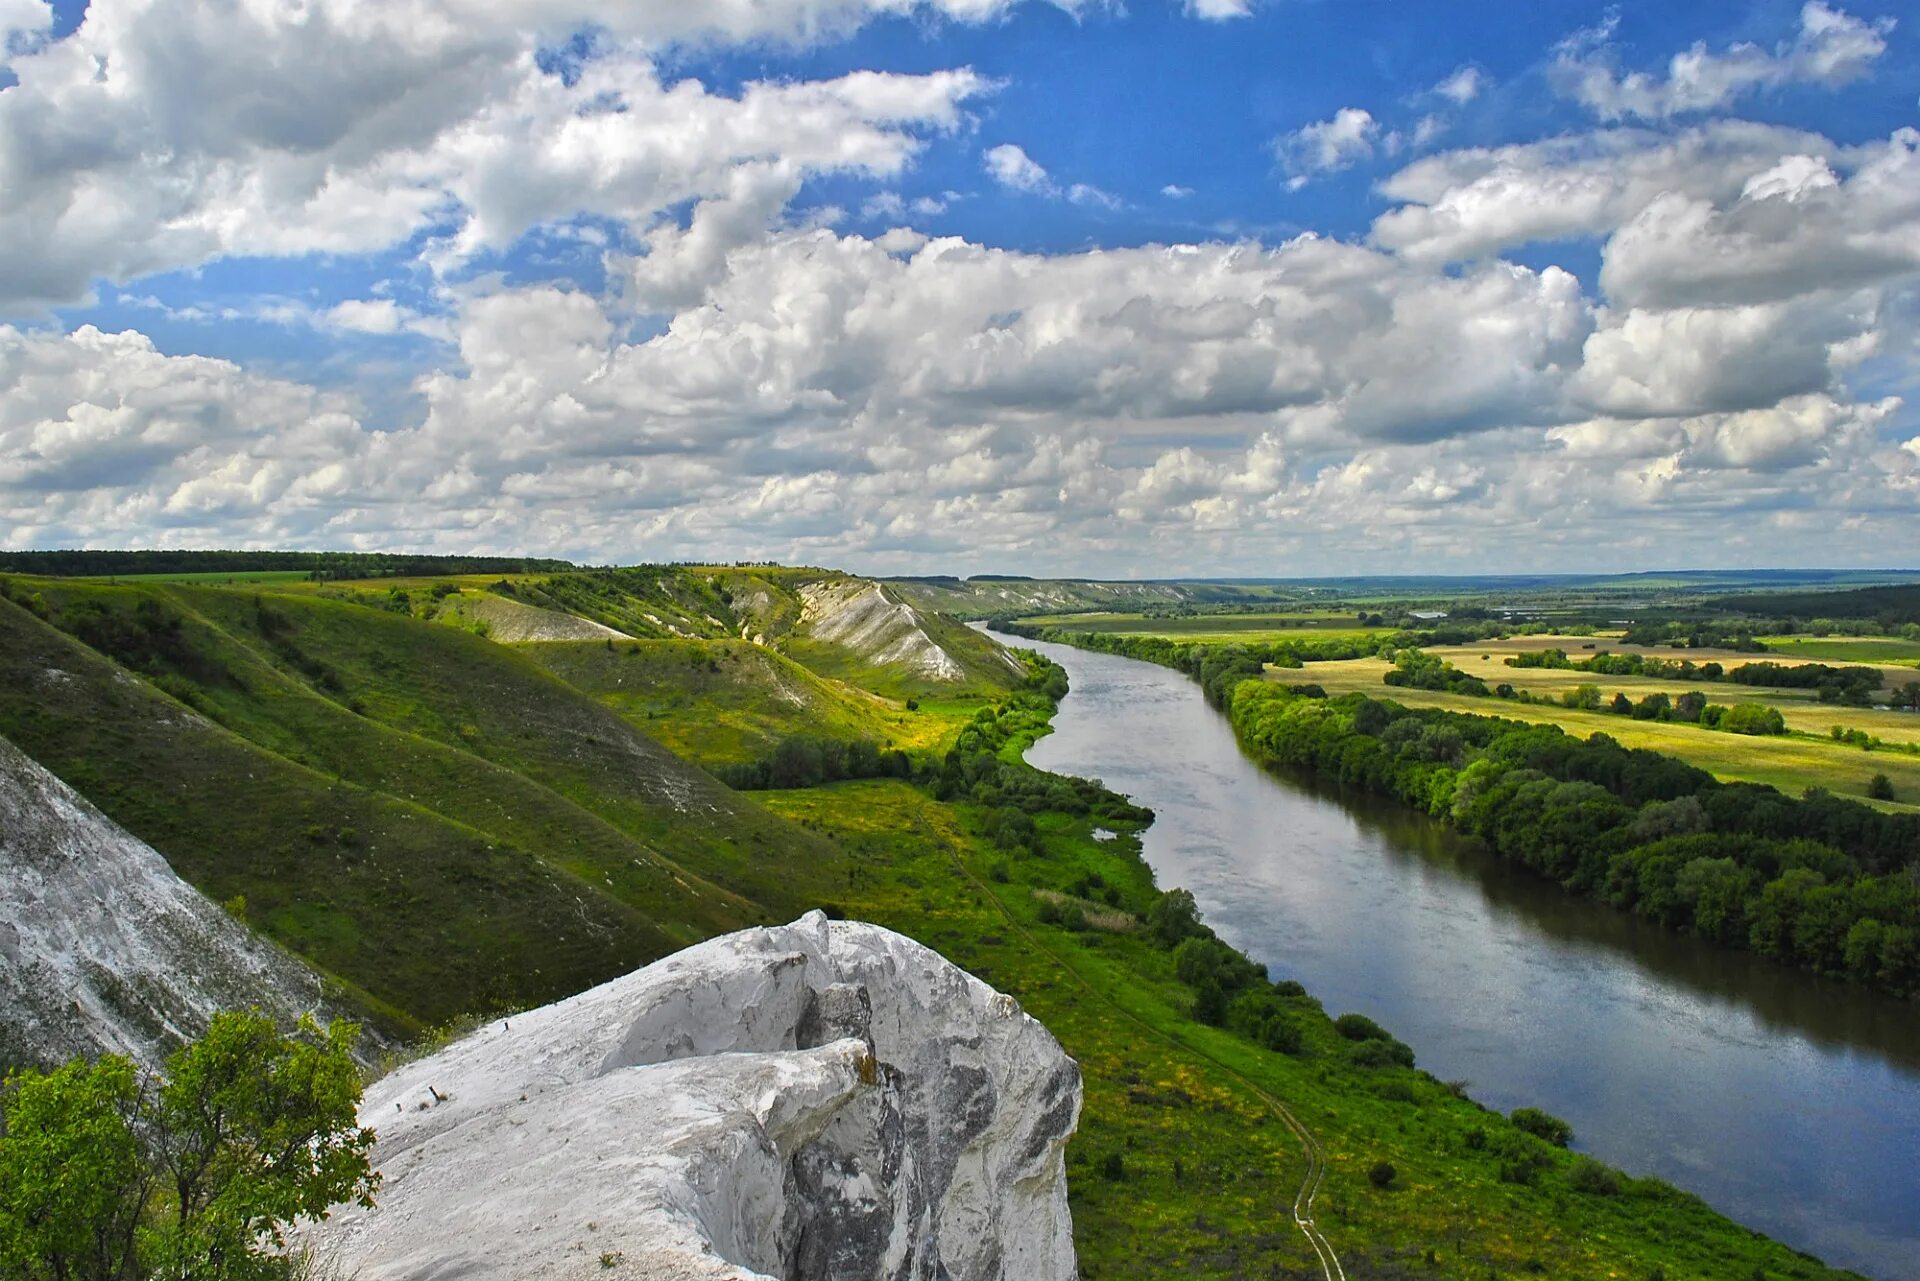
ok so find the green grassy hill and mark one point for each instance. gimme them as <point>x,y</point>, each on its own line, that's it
<point>432,818</point>
<point>720,702</point>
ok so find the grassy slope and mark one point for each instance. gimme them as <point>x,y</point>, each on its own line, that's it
<point>728,701</point>
<point>1208,1169</point>
<point>483,756</point>
<point>1791,763</point>
<point>496,703</point>
<point>427,916</point>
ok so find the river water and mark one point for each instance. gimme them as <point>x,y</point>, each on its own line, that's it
<point>1790,1103</point>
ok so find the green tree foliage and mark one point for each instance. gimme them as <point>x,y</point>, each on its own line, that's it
<point>1415,670</point>
<point>74,1181</point>
<point>1382,1174</point>
<point>196,1176</point>
<point>1741,864</point>
<point>1880,787</point>
<point>1174,917</point>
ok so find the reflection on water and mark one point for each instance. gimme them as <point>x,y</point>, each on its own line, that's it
<point>1790,1103</point>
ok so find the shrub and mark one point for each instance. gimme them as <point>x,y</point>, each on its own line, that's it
<point>1543,1125</point>
<point>1379,1054</point>
<point>1358,1027</point>
<point>1880,787</point>
<point>1382,1174</point>
<point>1173,917</point>
<point>1114,1168</point>
<point>1593,1178</point>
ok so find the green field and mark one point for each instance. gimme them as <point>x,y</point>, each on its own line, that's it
<point>1848,649</point>
<point>717,702</point>
<point>1792,763</point>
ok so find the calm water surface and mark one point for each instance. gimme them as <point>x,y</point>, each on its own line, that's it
<point>1789,1103</point>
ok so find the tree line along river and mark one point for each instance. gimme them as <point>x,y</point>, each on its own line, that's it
<point>1789,1102</point>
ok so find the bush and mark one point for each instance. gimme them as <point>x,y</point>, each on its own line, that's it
<point>1593,1178</point>
<point>1358,1027</point>
<point>1382,1174</point>
<point>1114,1168</point>
<point>1173,917</point>
<point>1380,1054</point>
<point>1753,718</point>
<point>1543,1125</point>
<point>1880,787</point>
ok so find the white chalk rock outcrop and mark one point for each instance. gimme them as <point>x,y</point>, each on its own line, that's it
<point>103,948</point>
<point>822,1100</point>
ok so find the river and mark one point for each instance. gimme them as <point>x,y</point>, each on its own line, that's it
<point>1790,1103</point>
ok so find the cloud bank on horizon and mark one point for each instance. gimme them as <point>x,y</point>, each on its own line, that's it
<point>1220,286</point>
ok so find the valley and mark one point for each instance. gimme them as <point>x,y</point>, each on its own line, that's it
<point>446,821</point>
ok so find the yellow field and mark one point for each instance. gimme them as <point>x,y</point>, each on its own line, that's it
<point>1790,763</point>
<point>1801,708</point>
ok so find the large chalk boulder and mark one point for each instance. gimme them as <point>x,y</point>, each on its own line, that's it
<point>820,1100</point>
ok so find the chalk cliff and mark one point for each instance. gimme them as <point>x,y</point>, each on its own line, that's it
<point>102,947</point>
<point>825,1099</point>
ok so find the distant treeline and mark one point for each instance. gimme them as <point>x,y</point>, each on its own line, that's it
<point>1853,685</point>
<point>1820,882</point>
<point>95,564</point>
<point>1888,607</point>
<point>1415,670</point>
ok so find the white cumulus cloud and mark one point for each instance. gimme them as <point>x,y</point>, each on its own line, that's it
<point>1831,49</point>
<point>1328,145</point>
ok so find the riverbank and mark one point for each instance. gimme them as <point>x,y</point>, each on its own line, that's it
<point>1817,882</point>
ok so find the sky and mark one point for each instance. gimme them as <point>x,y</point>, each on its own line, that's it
<point>1056,287</point>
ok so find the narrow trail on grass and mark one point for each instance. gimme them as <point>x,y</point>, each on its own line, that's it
<point>1315,1155</point>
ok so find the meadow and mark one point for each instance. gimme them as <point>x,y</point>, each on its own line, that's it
<point>1886,650</point>
<point>217,578</point>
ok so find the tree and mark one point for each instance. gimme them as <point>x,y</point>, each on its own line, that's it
<point>1382,1174</point>
<point>1753,718</point>
<point>73,1184</point>
<point>1880,787</point>
<point>197,1176</point>
<point>1621,705</point>
<point>1175,916</point>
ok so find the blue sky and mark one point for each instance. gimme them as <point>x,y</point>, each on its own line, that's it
<point>968,284</point>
